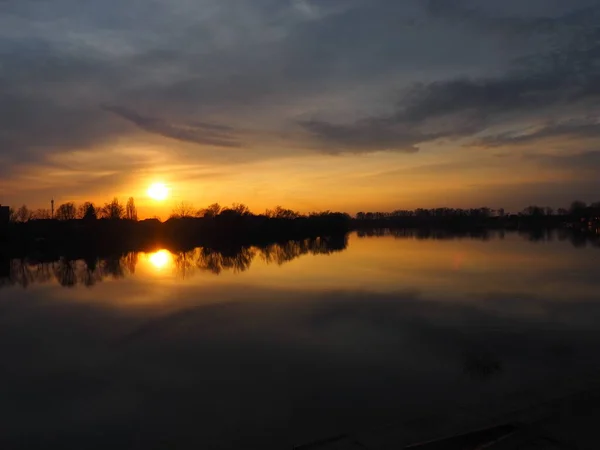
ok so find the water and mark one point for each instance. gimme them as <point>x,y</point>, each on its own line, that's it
<point>280,346</point>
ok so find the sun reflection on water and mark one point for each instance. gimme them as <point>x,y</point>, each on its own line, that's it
<point>160,259</point>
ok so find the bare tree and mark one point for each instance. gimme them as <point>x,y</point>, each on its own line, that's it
<point>239,209</point>
<point>281,213</point>
<point>182,210</point>
<point>113,210</point>
<point>210,211</point>
<point>23,214</point>
<point>130,210</point>
<point>41,214</point>
<point>66,211</point>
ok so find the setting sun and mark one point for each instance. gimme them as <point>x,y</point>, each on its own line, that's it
<point>158,191</point>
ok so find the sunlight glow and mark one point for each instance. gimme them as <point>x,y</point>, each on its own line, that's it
<point>158,191</point>
<point>160,259</point>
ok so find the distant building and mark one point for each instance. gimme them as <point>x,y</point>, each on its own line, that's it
<point>4,215</point>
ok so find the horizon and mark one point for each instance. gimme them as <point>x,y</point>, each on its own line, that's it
<point>334,105</point>
<point>192,210</point>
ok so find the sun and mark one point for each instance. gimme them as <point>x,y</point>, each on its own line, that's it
<point>158,191</point>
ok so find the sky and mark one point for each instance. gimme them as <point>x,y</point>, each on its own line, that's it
<point>351,105</point>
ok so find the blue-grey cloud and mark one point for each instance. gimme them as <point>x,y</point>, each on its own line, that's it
<point>195,132</point>
<point>567,130</point>
<point>567,77</point>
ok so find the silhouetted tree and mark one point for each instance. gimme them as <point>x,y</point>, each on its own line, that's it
<point>41,214</point>
<point>66,211</point>
<point>281,213</point>
<point>12,215</point>
<point>183,210</point>
<point>113,210</point>
<point>533,211</point>
<point>23,214</point>
<point>238,209</point>
<point>87,211</point>
<point>577,208</point>
<point>210,211</point>
<point>130,210</point>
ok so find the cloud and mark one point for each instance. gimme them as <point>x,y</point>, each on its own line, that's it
<point>31,129</point>
<point>195,132</point>
<point>570,130</point>
<point>378,133</point>
<point>270,79</point>
<point>563,79</point>
<point>534,17</point>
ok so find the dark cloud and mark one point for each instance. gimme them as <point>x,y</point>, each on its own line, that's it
<point>196,132</point>
<point>378,133</point>
<point>567,78</point>
<point>550,19</point>
<point>572,130</point>
<point>33,128</point>
<point>278,53</point>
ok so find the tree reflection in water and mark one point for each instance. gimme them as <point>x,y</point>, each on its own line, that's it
<point>209,260</point>
<point>578,238</point>
<point>65,272</point>
<point>68,272</point>
<point>240,259</point>
<point>88,271</point>
<point>23,273</point>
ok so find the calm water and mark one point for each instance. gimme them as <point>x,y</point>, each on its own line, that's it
<point>279,346</point>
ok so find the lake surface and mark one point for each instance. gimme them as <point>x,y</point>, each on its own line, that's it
<point>288,344</point>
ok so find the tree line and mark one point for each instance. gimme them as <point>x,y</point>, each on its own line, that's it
<point>116,210</point>
<point>86,211</point>
<point>577,209</point>
<point>187,210</point>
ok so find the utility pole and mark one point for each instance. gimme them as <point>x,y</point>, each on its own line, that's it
<point>52,203</point>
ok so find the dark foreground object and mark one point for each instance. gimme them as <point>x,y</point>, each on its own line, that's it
<point>109,236</point>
